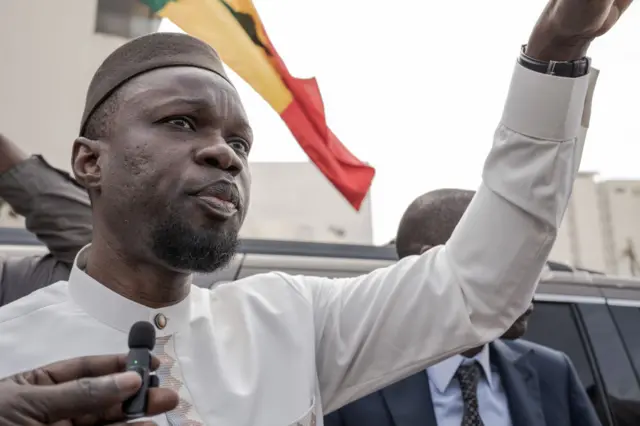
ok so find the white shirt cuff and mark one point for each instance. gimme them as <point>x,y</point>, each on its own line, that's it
<point>544,106</point>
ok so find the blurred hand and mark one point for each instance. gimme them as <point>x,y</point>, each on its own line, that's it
<point>84,391</point>
<point>566,28</point>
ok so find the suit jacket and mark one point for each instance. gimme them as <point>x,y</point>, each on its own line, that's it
<point>541,385</point>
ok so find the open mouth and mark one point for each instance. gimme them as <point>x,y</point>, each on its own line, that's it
<point>215,206</point>
<point>220,200</point>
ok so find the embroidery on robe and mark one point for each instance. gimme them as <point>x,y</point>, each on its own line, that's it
<point>308,420</point>
<point>169,374</point>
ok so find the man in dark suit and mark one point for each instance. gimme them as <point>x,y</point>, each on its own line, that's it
<point>506,383</point>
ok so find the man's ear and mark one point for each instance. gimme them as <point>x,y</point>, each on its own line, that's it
<point>86,161</point>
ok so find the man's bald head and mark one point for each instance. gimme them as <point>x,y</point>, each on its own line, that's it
<point>428,222</point>
<point>431,219</point>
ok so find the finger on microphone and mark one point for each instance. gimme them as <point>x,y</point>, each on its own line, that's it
<point>85,396</point>
<point>89,366</point>
<point>155,363</point>
<point>160,401</point>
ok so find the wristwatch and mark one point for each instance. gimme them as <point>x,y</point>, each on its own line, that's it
<point>577,68</point>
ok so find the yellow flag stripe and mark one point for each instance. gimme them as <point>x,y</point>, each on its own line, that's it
<point>212,22</point>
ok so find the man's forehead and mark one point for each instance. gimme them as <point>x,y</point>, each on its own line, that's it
<point>179,80</point>
<point>182,85</point>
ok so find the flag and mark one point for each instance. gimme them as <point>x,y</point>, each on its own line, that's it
<point>235,30</point>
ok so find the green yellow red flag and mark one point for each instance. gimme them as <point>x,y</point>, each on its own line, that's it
<point>235,30</point>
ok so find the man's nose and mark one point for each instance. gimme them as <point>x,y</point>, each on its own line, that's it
<point>220,155</point>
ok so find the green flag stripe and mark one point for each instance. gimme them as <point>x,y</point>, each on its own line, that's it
<point>156,5</point>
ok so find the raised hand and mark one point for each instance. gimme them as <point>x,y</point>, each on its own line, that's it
<point>566,28</point>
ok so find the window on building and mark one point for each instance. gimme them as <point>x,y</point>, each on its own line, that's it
<point>125,18</point>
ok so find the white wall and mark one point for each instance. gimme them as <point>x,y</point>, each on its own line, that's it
<point>294,201</point>
<point>579,241</point>
<point>49,52</point>
<point>601,220</point>
<point>588,227</point>
<point>623,224</point>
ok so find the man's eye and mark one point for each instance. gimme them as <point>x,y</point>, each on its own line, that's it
<point>239,145</point>
<point>183,122</point>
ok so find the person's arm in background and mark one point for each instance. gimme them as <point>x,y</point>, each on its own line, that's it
<point>56,208</point>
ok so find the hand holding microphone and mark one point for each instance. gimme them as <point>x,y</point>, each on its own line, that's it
<point>86,391</point>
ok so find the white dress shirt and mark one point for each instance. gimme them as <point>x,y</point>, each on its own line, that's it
<point>446,394</point>
<point>278,350</point>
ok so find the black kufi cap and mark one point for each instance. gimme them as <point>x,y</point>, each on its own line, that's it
<point>144,54</point>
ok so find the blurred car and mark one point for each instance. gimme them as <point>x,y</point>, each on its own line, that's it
<point>592,317</point>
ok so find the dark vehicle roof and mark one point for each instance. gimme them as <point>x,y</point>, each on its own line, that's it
<point>16,236</point>
<point>345,260</point>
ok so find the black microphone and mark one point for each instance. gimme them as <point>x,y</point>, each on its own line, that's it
<point>142,339</point>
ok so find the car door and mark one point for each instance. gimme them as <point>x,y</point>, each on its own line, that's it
<point>613,362</point>
<point>626,319</point>
<point>556,323</point>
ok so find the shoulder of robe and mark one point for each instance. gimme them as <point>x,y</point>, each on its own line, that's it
<point>41,299</point>
<point>270,284</point>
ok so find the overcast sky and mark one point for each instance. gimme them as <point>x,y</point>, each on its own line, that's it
<point>417,89</point>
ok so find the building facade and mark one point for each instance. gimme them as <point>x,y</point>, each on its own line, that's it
<point>294,201</point>
<point>49,51</point>
<point>601,229</point>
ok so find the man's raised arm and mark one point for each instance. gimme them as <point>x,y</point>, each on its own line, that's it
<point>377,329</point>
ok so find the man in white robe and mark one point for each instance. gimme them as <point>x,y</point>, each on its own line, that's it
<point>163,153</point>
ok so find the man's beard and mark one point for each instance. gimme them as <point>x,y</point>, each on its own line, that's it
<point>184,248</point>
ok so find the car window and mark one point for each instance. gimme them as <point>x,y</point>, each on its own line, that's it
<point>554,325</point>
<point>614,363</point>
<point>627,319</point>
